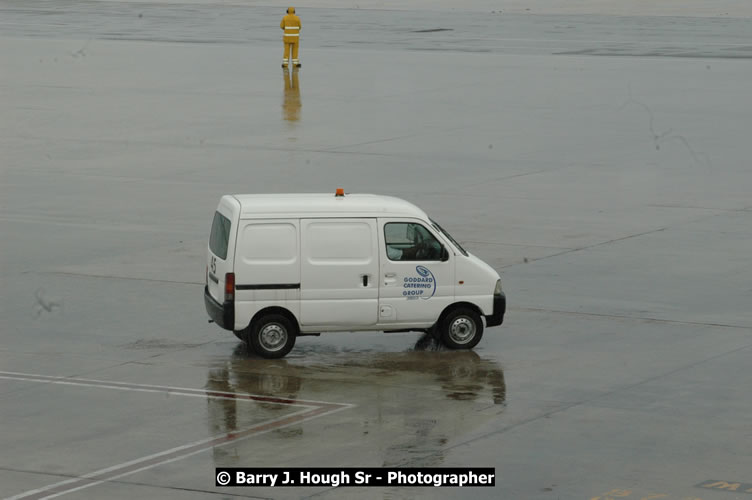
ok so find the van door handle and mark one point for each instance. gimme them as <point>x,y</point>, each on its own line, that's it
<point>365,279</point>
<point>390,275</point>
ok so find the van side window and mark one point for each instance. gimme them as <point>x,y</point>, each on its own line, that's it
<point>220,235</point>
<point>407,241</point>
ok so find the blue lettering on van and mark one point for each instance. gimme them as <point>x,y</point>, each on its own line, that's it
<point>415,287</point>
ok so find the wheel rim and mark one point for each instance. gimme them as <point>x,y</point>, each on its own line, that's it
<point>462,330</point>
<point>273,337</point>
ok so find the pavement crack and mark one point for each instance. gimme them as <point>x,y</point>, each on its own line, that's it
<point>367,143</point>
<point>666,135</point>
<point>638,318</point>
<point>635,235</point>
<point>207,145</point>
<point>504,178</point>
<point>594,245</point>
<point>524,245</point>
<point>107,276</point>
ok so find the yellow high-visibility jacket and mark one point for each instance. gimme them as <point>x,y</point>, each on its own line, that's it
<point>291,24</point>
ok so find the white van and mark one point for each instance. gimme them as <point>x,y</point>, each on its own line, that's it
<point>284,265</point>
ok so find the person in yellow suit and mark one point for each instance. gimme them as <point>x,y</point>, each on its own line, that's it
<point>291,26</point>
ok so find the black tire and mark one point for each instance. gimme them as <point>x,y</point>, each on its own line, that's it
<point>461,328</point>
<point>435,332</point>
<point>243,335</point>
<point>272,336</point>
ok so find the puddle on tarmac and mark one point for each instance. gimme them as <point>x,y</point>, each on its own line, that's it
<point>408,405</point>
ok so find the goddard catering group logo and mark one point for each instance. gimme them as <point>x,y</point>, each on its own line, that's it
<point>422,286</point>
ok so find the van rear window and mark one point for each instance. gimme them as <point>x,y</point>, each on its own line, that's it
<point>220,235</point>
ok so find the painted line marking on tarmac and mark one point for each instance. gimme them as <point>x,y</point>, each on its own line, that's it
<point>617,494</point>
<point>622,41</point>
<point>311,410</point>
<point>730,486</point>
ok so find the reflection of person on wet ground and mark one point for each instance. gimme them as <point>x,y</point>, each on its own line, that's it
<point>291,104</point>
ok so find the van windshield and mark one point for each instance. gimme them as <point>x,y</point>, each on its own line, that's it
<point>449,236</point>
<point>220,235</point>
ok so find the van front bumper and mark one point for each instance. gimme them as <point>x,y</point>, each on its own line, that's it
<point>221,314</point>
<point>499,308</point>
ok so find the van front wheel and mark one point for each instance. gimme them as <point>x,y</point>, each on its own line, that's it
<point>272,336</point>
<point>461,329</point>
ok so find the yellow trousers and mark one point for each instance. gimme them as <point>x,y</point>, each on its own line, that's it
<point>294,46</point>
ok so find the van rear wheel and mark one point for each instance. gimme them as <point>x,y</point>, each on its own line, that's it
<point>461,329</point>
<point>272,336</point>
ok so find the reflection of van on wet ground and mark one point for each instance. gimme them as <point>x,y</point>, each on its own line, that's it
<point>284,265</point>
<point>409,405</point>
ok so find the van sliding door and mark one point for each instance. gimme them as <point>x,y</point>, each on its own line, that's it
<point>339,271</point>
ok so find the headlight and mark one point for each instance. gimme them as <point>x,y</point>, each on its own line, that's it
<point>497,290</point>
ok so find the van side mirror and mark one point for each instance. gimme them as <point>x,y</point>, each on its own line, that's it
<point>444,254</point>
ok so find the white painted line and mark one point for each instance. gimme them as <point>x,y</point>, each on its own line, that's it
<point>191,453</point>
<point>125,465</point>
<point>180,391</point>
<point>312,409</point>
<point>206,394</point>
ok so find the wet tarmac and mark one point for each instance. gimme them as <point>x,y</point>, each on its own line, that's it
<point>611,192</point>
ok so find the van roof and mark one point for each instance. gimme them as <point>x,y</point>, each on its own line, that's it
<point>326,205</point>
